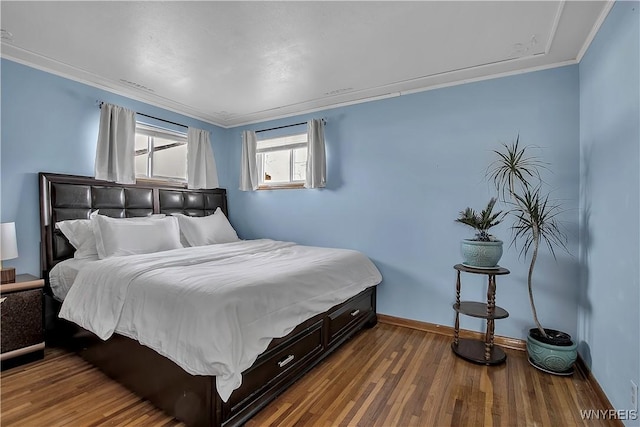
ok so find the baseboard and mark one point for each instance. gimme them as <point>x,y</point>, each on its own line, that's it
<point>584,370</point>
<point>506,342</point>
<point>512,343</point>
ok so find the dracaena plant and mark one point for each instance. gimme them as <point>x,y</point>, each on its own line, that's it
<point>481,222</point>
<point>516,175</point>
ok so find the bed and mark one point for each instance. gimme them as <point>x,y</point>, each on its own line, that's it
<point>187,393</point>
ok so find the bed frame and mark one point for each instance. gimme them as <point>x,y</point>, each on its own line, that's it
<point>189,398</point>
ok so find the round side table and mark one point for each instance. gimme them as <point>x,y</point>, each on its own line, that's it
<point>473,350</point>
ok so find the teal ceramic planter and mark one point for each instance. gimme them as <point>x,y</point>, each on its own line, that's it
<point>555,359</point>
<point>480,254</point>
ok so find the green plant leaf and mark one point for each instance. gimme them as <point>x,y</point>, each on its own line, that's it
<point>483,221</point>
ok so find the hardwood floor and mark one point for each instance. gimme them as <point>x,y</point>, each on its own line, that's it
<point>386,376</point>
<point>64,390</point>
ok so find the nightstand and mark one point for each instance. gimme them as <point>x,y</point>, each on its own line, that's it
<point>21,330</point>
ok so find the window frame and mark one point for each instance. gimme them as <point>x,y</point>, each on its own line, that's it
<point>152,132</point>
<point>290,147</point>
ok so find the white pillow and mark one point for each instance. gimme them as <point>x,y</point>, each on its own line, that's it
<point>206,230</point>
<point>129,236</point>
<point>79,232</point>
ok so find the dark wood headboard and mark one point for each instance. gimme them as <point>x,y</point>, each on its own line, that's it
<point>64,197</point>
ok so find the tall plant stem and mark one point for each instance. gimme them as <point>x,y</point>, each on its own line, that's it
<point>536,240</point>
<point>534,257</point>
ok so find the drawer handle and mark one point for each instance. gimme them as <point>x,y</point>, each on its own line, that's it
<point>354,313</point>
<point>286,361</point>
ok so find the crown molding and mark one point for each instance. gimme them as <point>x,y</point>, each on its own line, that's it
<point>51,66</point>
<point>594,30</point>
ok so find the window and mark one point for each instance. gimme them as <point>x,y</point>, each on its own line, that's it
<point>160,153</point>
<point>282,161</point>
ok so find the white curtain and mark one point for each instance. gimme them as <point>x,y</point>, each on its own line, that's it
<point>248,167</point>
<point>115,152</point>
<point>316,158</point>
<point>201,165</point>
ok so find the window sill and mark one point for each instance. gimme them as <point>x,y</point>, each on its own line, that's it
<point>167,182</point>
<point>297,185</point>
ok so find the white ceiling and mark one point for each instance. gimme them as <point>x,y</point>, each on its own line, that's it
<point>231,63</point>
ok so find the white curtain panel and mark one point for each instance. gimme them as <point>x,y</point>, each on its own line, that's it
<point>201,165</point>
<point>316,158</point>
<point>248,167</point>
<point>115,152</point>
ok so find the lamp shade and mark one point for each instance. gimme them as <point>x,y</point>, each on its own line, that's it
<point>8,241</point>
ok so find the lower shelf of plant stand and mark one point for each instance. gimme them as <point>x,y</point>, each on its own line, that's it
<point>473,351</point>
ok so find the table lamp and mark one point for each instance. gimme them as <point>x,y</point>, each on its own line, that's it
<point>8,250</point>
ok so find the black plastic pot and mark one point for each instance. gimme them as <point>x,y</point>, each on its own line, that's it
<point>553,337</point>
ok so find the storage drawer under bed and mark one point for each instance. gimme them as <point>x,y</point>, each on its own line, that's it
<point>348,316</point>
<point>278,365</point>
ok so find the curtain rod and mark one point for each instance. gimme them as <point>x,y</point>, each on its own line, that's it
<point>162,120</point>
<point>152,117</point>
<point>288,126</point>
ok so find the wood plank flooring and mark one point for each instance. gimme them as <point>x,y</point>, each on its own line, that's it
<point>386,376</point>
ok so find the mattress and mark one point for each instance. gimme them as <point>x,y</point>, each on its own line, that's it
<point>213,309</point>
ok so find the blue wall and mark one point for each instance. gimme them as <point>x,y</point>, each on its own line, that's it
<point>609,323</point>
<point>50,124</point>
<point>400,170</point>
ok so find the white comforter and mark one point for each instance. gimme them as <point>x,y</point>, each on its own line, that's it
<point>214,309</point>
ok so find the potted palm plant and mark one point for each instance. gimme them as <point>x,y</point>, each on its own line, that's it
<point>483,251</point>
<point>516,175</point>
